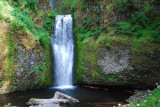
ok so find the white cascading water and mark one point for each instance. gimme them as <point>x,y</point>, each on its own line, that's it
<point>63,50</point>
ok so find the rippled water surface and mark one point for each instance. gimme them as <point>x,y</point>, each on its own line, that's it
<point>88,97</point>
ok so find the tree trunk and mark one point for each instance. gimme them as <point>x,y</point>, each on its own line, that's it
<point>58,98</point>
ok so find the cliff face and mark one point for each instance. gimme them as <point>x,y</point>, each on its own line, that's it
<point>115,66</point>
<point>110,49</point>
<point>25,57</point>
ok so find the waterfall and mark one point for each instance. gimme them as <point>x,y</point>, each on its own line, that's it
<point>51,2</point>
<point>63,51</point>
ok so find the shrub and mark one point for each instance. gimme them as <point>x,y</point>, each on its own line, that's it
<point>139,18</point>
<point>74,4</point>
<point>125,28</point>
<point>108,45</point>
<point>97,10</point>
<point>43,37</point>
<point>87,23</point>
<point>149,8</point>
<point>22,20</point>
<point>123,6</point>
<point>49,20</point>
<point>37,69</point>
<point>32,4</point>
<point>96,32</point>
<point>84,36</point>
<point>83,6</point>
<point>8,105</point>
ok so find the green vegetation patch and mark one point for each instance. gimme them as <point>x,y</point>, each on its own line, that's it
<point>153,100</point>
<point>31,100</point>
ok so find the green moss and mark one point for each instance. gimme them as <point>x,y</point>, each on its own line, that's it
<point>86,61</point>
<point>112,79</point>
<point>142,45</point>
<point>31,100</point>
<point>79,61</point>
<point>109,6</point>
<point>47,65</point>
<point>105,40</point>
<point>36,69</point>
<point>102,40</point>
<point>46,69</point>
<point>105,21</point>
<point>7,105</point>
<point>108,45</point>
<point>10,58</point>
<point>98,76</point>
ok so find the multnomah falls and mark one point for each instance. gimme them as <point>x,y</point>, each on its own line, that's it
<point>79,53</point>
<point>63,51</point>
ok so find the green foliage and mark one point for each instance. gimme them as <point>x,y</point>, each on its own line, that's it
<point>97,10</point>
<point>11,45</point>
<point>21,16</point>
<point>46,68</point>
<point>97,20</point>
<point>103,40</point>
<point>83,6</point>
<point>49,19</point>
<point>108,45</point>
<point>137,28</point>
<point>96,32</point>
<point>65,6</point>
<point>141,26</point>
<point>10,56</point>
<point>149,8</point>
<point>84,36</point>
<point>79,62</point>
<point>43,37</point>
<point>31,100</point>
<point>74,4</point>
<point>85,33</point>
<point>155,25</point>
<point>122,6</point>
<point>22,20</point>
<point>85,47</point>
<point>140,45</point>
<point>8,105</point>
<point>37,69</point>
<point>32,4</point>
<point>139,18</point>
<point>105,21</point>
<point>112,79</point>
<point>106,40</point>
<point>153,100</point>
<point>125,28</point>
<point>87,23</point>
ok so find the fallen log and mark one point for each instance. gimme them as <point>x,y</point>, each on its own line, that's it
<point>57,99</point>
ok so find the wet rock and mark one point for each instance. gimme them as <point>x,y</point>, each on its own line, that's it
<point>138,96</point>
<point>118,67</point>
<point>112,63</point>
